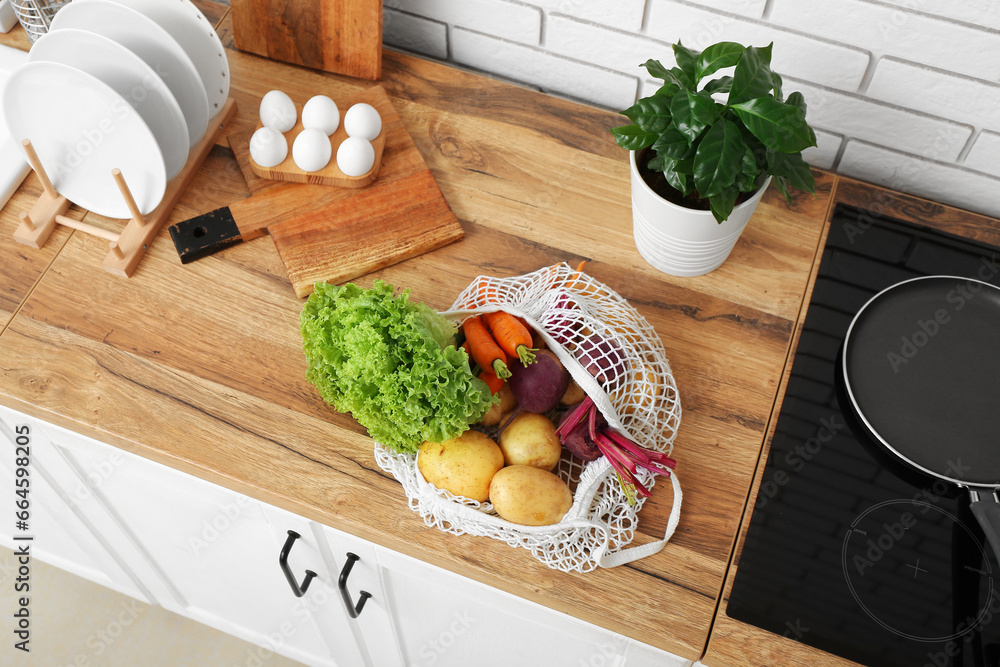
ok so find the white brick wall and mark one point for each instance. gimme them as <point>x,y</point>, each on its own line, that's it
<point>904,93</point>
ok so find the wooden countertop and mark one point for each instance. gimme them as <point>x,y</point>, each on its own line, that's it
<point>200,367</point>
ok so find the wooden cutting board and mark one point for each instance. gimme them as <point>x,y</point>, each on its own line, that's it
<point>332,234</point>
<point>342,36</point>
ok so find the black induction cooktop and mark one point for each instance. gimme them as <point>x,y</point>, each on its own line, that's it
<point>846,551</point>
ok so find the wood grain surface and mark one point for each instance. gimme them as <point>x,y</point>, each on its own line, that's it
<point>342,36</point>
<point>199,366</point>
<point>380,226</point>
<point>336,234</point>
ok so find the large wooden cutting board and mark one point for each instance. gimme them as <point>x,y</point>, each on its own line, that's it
<point>327,233</point>
<point>341,36</point>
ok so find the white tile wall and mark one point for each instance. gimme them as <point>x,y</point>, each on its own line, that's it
<point>623,14</point>
<point>985,154</point>
<point>507,20</point>
<point>541,68</point>
<point>904,93</point>
<point>939,181</point>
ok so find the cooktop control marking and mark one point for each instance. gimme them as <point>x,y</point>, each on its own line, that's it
<point>916,568</point>
<point>878,552</point>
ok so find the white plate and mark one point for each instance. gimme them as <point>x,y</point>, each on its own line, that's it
<point>81,130</point>
<point>127,75</point>
<point>150,42</point>
<point>13,166</point>
<point>195,34</point>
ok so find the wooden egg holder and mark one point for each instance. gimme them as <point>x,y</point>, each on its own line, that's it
<point>331,174</point>
<point>129,246</point>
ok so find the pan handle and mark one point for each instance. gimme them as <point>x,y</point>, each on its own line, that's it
<point>986,509</point>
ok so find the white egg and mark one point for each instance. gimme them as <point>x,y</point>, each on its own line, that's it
<point>321,113</point>
<point>311,150</point>
<point>277,111</point>
<point>356,156</point>
<point>268,147</point>
<point>362,120</point>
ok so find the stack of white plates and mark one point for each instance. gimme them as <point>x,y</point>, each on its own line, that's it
<point>126,84</point>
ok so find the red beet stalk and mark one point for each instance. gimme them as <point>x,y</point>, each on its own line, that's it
<point>624,455</point>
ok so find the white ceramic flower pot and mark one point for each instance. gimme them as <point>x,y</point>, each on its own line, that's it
<point>683,241</point>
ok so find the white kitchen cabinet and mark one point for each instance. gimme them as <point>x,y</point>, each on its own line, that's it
<point>209,552</point>
<point>445,620</point>
<point>312,551</point>
<point>58,524</point>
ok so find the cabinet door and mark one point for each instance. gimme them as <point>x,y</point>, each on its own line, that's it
<point>444,620</point>
<point>313,551</point>
<point>210,549</point>
<point>61,535</point>
<point>643,655</point>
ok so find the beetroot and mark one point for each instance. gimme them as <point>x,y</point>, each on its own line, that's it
<point>577,441</point>
<point>538,386</point>
<point>602,357</point>
<point>562,328</point>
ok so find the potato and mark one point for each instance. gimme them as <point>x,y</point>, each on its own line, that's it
<point>531,440</point>
<point>498,410</point>
<point>529,496</point>
<point>463,465</point>
<point>574,394</point>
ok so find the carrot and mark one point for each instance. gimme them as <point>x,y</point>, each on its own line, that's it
<point>484,349</point>
<point>492,381</point>
<point>512,336</point>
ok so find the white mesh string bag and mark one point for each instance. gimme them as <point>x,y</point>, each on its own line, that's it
<point>585,324</point>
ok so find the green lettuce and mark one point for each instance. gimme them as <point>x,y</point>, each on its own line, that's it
<point>387,361</point>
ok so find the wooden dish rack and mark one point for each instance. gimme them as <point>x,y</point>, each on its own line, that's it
<point>128,246</point>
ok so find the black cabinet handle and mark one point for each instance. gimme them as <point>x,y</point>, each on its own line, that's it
<point>283,561</point>
<point>352,610</point>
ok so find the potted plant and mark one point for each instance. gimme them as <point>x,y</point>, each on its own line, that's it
<point>699,164</point>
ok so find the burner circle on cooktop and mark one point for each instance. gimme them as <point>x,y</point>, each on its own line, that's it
<point>909,579</point>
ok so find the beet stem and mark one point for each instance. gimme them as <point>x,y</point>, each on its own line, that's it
<point>577,415</point>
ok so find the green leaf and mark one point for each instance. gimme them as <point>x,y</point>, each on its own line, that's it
<point>667,90</point>
<point>677,174</point>
<point>758,149</point>
<point>720,85</point>
<point>779,126</point>
<point>656,164</point>
<point>673,75</point>
<point>776,83</point>
<point>633,137</point>
<point>681,78</point>
<point>686,59</point>
<point>782,186</point>
<point>673,144</point>
<point>651,114</point>
<point>387,361</point>
<point>792,168</point>
<point>747,177</point>
<point>796,99</point>
<point>718,159</point>
<point>716,57</point>
<point>722,204</point>
<point>692,113</point>
<point>752,77</point>
<point>655,69</point>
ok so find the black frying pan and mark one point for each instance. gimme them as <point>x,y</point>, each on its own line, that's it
<point>921,366</point>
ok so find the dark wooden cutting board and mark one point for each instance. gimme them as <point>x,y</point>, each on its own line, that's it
<point>327,233</point>
<point>342,36</point>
